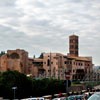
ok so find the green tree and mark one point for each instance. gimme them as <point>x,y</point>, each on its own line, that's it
<point>11,79</point>
<point>26,86</point>
<point>2,53</point>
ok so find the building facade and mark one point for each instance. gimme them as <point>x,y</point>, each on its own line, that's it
<point>14,60</point>
<point>51,65</point>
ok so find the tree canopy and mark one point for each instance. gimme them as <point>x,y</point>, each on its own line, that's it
<point>26,86</point>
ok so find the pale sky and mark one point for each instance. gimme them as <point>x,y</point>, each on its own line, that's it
<point>45,25</point>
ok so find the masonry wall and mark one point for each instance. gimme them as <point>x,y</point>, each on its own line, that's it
<point>14,60</point>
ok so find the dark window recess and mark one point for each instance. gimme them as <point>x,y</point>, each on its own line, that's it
<point>65,62</point>
<point>72,52</point>
<point>14,56</point>
<point>51,62</point>
<point>65,56</point>
<point>38,63</point>
<point>48,62</point>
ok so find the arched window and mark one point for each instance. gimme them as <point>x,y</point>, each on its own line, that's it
<point>14,56</point>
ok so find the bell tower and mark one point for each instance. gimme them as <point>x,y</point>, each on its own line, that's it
<point>73,45</point>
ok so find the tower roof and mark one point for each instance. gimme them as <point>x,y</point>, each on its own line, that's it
<point>73,35</point>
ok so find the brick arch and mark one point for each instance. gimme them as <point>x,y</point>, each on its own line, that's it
<point>14,56</point>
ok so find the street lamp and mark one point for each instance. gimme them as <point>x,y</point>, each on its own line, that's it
<point>14,88</point>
